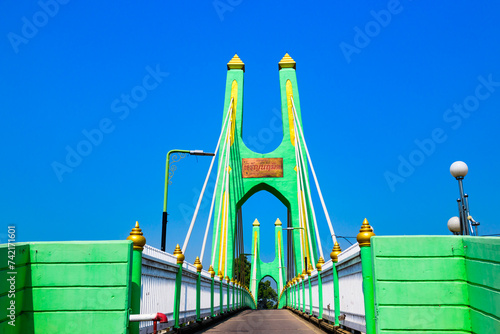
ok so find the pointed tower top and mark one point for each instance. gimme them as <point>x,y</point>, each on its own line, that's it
<point>278,222</point>
<point>256,222</point>
<point>236,64</point>
<point>287,62</point>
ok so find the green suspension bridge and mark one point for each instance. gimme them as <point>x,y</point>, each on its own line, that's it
<point>381,284</point>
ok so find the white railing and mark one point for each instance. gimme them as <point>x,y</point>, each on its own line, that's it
<point>158,285</point>
<point>350,290</point>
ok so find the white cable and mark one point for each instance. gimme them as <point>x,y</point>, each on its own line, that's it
<point>222,228</point>
<point>215,192</point>
<point>300,210</point>
<point>334,238</point>
<point>307,189</point>
<point>305,211</point>
<point>221,195</point>
<point>195,215</point>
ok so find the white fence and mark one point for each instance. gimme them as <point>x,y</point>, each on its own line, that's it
<point>350,290</point>
<point>158,286</point>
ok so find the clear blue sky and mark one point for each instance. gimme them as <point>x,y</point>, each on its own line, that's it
<point>377,82</point>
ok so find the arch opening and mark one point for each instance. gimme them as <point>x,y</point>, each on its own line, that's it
<point>267,294</point>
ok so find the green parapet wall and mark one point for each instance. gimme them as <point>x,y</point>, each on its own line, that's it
<point>68,287</point>
<point>241,187</point>
<point>437,284</point>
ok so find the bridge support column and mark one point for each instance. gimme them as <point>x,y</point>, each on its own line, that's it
<point>199,267</point>
<point>304,274</point>
<point>232,281</point>
<point>139,241</point>
<point>212,283</point>
<point>365,233</point>
<point>319,266</point>
<point>309,272</point>
<point>178,281</point>
<point>227,289</point>
<point>221,294</point>
<point>336,297</point>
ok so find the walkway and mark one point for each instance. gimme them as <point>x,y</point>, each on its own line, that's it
<point>264,321</point>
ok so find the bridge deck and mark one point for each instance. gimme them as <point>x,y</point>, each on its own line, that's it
<point>264,321</point>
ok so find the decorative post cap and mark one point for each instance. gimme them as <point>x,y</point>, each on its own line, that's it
<point>320,263</point>
<point>304,274</point>
<point>227,279</point>
<point>334,255</point>
<point>287,62</point>
<point>256,222</point>
<point>137,237</point>
<point>198,264</point>
<point>309,270</point>
<point>179,255</point>
<point>220,275</point>
<point>211,271</point>
<point>365,233</point>
<point>236,64</point>
<point>278,222</point>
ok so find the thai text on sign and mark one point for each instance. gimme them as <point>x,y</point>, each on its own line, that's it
<point>262,167</point>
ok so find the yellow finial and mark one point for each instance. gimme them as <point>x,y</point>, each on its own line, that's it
<point>287,62</point>
<point>309,269</point>
<point>320,263</point>
<point>227,279</point>
<point>256,222</point>
<point>334,255</point>
<point>236,64</point>
<point>179,255</point>
<point>211,271</point>
<point>220,275</point>
<point>232,280</point>
<point>304,274</point>
<point>198,264</point>
<point>137,237</point>
<point>365,233</point>
<point>278,222</point>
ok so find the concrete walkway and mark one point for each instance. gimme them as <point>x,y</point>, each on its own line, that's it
<point>264,321</point>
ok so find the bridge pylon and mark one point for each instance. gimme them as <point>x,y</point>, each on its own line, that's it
<point>242,173</point>
<point>259,269</point>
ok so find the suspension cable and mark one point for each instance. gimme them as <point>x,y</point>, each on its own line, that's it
<point>215,189</point>
<point>314,175</point>
<point>188,235</point>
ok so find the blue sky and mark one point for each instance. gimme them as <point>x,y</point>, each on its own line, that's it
<point>391,94</point>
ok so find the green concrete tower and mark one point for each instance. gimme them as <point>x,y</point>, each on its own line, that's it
<point>243,173</point>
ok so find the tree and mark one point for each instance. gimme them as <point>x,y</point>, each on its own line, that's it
<point>268,297</point>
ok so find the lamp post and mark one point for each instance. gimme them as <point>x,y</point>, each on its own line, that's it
<point>182,154</point>
<point>463,224</point>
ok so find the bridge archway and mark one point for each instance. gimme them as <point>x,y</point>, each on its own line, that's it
<point>262,304</point>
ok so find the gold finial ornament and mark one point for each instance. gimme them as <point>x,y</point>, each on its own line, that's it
<point>304,274</point>
<point>256,222</point>
<point>278,222</point>
<point>287,62</point>
<point>227,279</point>
<point>198,264</point>
<point>320,263</point>
<point>211,271</point>
<point>309,270</point>
<point>137,237</point>
<point>220,275</point>
<point>179,255</point>
<point>334,255</point>
<point>236,64</point>
<point>365,233</point>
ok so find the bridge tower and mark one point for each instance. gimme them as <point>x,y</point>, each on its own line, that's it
<point>243,173</point>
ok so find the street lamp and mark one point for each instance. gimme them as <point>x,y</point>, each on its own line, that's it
<point>182,154</point>
<point>464,223</point>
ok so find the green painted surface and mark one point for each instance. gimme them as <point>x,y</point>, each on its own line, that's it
<point>441,284</point>
<point>368,293</point>
<point>135,295</point>
<point>275,269</point>
<point>69,287</point>
<point>241,189</point>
